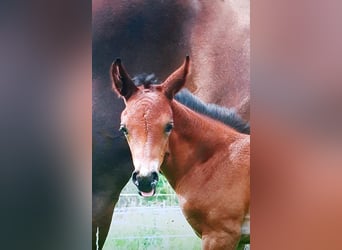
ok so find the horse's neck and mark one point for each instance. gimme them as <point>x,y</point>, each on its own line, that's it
<point>193,140</point>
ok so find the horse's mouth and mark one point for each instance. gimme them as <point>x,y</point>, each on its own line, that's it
<point>148,194</point>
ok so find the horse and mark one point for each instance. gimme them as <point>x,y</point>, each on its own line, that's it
<point>206,162</point>
<point>138,31</point>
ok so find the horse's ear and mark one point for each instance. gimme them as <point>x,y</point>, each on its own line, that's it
<point>122,83</point>
<point>176,80</point>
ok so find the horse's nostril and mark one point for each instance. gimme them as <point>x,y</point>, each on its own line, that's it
<point>134,178</point>
<point>155,178</point>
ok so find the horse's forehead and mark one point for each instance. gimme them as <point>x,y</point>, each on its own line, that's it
<point>149,103</point>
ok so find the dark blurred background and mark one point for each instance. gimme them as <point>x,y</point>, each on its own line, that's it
<point>45,124</point>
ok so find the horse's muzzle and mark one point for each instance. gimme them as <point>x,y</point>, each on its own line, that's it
<point>145,184</point>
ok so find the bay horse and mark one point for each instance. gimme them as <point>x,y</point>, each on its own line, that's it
<point>139,30</point>
<point>206,162</point>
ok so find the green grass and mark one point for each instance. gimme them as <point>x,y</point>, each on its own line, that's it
<point>151,228</point>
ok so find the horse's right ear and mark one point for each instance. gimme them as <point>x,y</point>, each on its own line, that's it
<point>122,83</point>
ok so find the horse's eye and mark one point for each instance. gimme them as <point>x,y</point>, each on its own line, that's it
<point>168,127</point>
<point>123,129</point>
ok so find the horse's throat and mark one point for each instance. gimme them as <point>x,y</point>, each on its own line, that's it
<point>180,159</point>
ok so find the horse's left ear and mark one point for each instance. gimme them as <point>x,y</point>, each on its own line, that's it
<point>176,80</point>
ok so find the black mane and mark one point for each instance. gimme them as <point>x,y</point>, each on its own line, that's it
<point>227,116</point>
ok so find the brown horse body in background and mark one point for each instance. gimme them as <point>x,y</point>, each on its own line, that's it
<point>206,162</point>
<point>214,33</point>
<point>220,52</point>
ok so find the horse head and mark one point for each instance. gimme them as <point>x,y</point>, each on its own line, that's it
<point>147,121</point>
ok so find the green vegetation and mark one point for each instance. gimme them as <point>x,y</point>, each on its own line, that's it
<point>150,223</point>
<point>152,229</point>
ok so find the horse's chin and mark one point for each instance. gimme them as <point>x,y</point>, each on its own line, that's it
<point>148,194</point>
